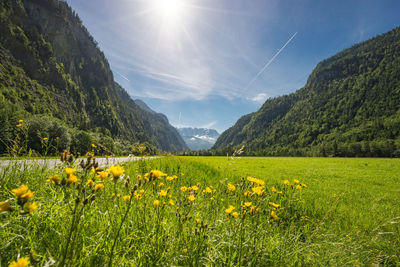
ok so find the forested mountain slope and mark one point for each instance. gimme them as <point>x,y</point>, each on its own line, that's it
<point>51,65</point>
<point>350,106</point>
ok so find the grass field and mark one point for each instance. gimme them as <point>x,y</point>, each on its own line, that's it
<point>205,211</point>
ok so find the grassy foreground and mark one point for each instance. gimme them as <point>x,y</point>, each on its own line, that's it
<point>204,211</point>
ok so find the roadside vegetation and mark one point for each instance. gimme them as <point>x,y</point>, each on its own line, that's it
<point>202,211</point>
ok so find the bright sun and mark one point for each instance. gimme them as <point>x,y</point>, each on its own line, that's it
<point>171,12</point>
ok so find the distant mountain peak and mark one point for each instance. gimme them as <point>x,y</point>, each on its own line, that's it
<point>198,138</point>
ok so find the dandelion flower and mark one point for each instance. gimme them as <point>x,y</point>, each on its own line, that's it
<point>231,187</point>
<point>298,187</point>
<point>195,188</point>
<point>247,193</point>
<point>259,190</point>
<point>94,146</point>
<point>19,125</point>
<point>184,250</point>
<point>170,178</point>
<point>163,193</point>
<point>255,181</point>
<point>118,195</point>
<point>72,179</point>
<point>28,195</point>
<point>230,209</point>
<point>5,206</point>
<point>90,182</point>
<point>138,197</point>
<point>161,185</point>
<point>183,188</point>
<point>273,205</point>
<point>252,209</point>
<point>54,179</point>
<point>235,214</point>
<point>141,191</point>
<point>21,262</point>
<point>127,198</point>
<point>274,216</point>
<point>102,175</point>
<point>70,171</point>
<point>273,189</point>
<point>156,203</point>
<point>45,139</point>
<point>212,198</point>
<point>295,181</point>
<point>304,185</point>
<point>157,174</point>
<point>98,187</point>
<point>198,221</point>
<point>171,202</point>
<point>20,190</point>
<point>207,190</point>
<point>247,204</point>
<point>116,171</point>
<point>31,206</point>
<point>191,198</point>
<point>286,182</point>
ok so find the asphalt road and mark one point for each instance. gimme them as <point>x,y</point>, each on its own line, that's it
<point>52,163</point>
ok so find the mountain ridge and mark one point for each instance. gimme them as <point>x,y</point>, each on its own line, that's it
<point>350,106</point>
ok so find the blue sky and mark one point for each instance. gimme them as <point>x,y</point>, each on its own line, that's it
<point>196,60</point>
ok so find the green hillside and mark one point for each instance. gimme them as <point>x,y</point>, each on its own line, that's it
<point>350,106</point>
<point>51,66</point>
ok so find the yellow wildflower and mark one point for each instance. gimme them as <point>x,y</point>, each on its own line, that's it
<point>230,209</point>
<point>118,195</point>
<point>273,189</point>
<point>113,194</point>
<point>195,188</point>
<point>231,187</point>
<point>156,203</point>
<point>53,179</point>
<point>235,214</point>
<point>170,178</point>
<point>304,185</point>
<point>252,209</point>
<point>280,193</point>
<point>259,190</point>
<point>183,188</point>
<point>94,146</point>
<point>19,125</point>
<point>189,188</point>
<point>247,204</point>
<point>198,221</point>
<point>20,190</point>
<point>21,262</point>
<point>161,185</point>
<point>141,191</point>
<point>116,171</point>
<point>20,121</point>
<point>98,187</point>
<point>298,187</point>
<point>171,202</point>
<point>28,195</point>
<point>286,182</point>
<point>138,196</point>
<point>212,198</point>
<point>157,174</point>
<point>163,193</point>
<point>295,181</point>
<point>207,190</point>
<point>5,206</point>
<point>70,171</point>
<point>255,180</point>
<point>274,216</point>
<point>31,206</point>
<point>90,182</point>
<point>191,198</point>
<point>126,198</point>
<point>273,205</point>
<point>72,179</point>
<point>45,139</point>
<point>102,175</point>
<point>247,193</point>
<point>184,250</point>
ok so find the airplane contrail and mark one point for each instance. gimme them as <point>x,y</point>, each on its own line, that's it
<point>270,61</point>
<point>180,116</point>
<point>122,76</point>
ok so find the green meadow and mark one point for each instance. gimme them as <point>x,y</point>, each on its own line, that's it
<point>211,211</point>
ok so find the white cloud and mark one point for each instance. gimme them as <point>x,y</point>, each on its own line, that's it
<point>260,98</point>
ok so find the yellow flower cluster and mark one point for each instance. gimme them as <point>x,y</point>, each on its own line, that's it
<point>255,181</point>
<point>231,187</point>
<point>116,170</point>
<point>23,195</point>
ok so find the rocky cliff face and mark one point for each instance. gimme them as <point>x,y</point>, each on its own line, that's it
<point>46,43</point>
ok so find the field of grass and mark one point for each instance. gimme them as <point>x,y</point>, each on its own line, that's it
<point>204,211</point>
